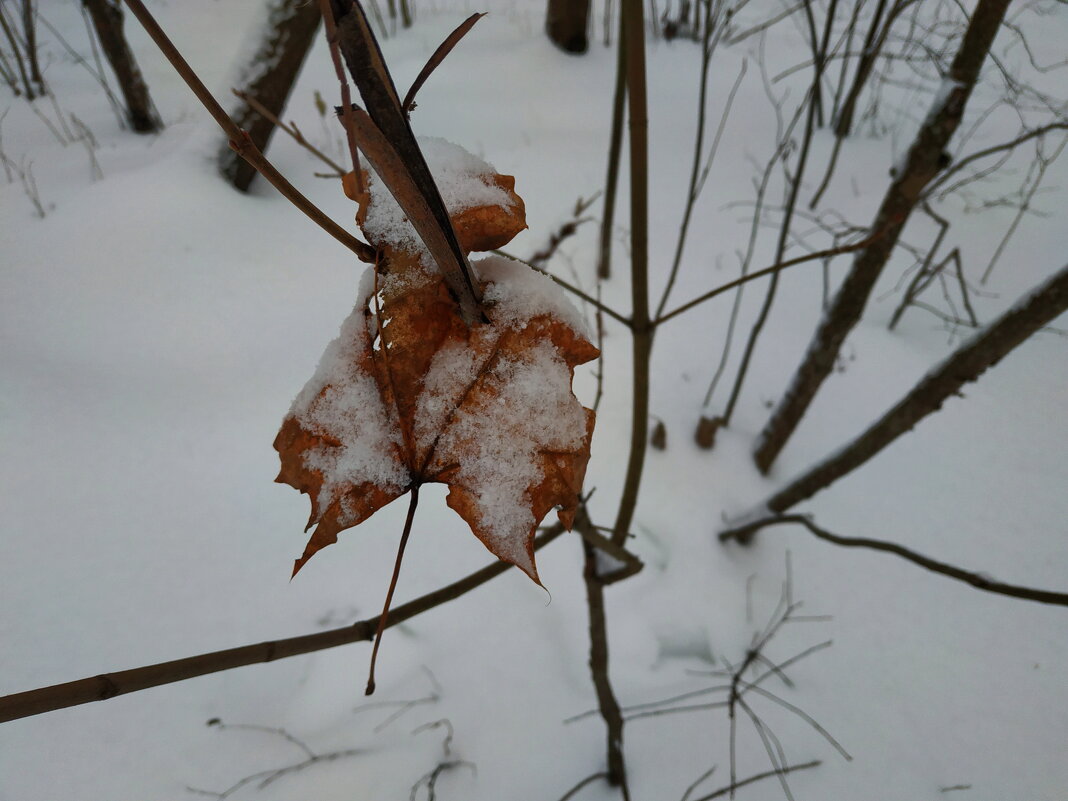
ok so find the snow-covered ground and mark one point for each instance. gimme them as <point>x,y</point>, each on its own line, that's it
<point>155,327</point>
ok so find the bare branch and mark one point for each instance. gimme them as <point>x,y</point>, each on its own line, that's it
<point>980,581</point>
<point>109,685</point>
<point>730,788</point>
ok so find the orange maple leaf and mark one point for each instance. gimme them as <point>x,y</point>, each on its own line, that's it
<point>409,394</point>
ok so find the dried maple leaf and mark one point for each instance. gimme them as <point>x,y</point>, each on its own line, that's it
<point>409,394</point>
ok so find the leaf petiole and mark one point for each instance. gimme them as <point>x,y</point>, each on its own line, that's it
<point>392,586</point>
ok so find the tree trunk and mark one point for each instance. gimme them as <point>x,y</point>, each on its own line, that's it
<point>269,77</point>
<point>107,21</point>
<point>921,165</point>
<point>565,22</point>
<point>985,349</point>
<point>29,25</point>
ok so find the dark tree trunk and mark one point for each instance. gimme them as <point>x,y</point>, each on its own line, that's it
<point>107,21</point>
<point>290,30</point>
<point>565,22</point>
<point>985,349</point>
<point>29,24</point>
<point>920,166</point>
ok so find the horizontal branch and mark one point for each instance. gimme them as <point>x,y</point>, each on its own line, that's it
<point>239,139</point>
<point>109,685</point>
<point>819,254</point>
<point>977,580</point>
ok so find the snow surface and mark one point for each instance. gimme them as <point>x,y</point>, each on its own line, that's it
<point>156,325</point>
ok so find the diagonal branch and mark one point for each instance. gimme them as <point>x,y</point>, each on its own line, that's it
<point>109,685</point>
<point>240,141</point>
<point>729,789</point>
<point>978,354</point>
<point>291,129</point>
<point>437,57</point>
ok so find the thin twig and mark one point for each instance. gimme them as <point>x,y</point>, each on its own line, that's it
<point>820,254</point>
<point>980,581</point>
<point>730,788</point>
<point>330,25</point>
<point>960,164</point>
<point>290,129</point>
<point>588,780</point>
<point>574,290</point>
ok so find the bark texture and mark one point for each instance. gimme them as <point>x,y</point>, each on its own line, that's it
<point>967,363</point>
<point>903,195</point>
<point>289,33</point>
<point>565,22</point>
<point>107,22</point>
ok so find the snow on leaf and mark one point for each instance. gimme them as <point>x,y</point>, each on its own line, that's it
<point>409,394</point>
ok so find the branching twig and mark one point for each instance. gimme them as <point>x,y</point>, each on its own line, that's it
<point>431,778</point>
<point>588,780</point>
<point>730,788</point>
<point>1004,147</point>
<point>268,777</point>
<point>562,233</point>
<point>773,269</point>
<point>290,129</point>
<point>980,581</point>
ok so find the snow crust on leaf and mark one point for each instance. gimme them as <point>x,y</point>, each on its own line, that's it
<point>517,294</point>
<point>521,407</point>
<point>463,179</point>
<point>341,404</point>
